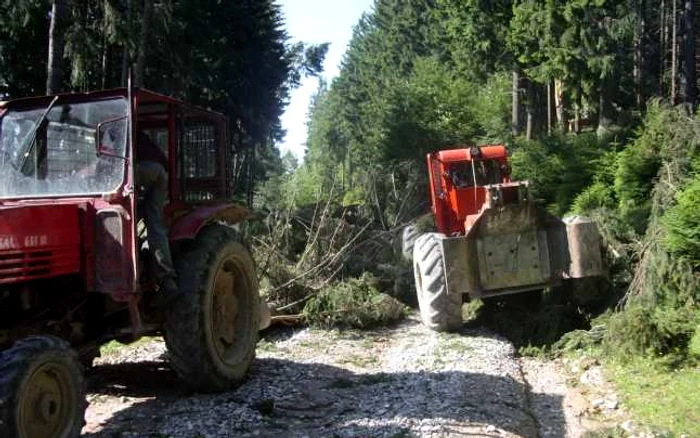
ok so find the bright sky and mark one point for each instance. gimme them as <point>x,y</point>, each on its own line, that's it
<point>315,22</point>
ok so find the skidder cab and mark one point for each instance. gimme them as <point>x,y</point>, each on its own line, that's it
<point>491,239</point>
<point>75,266</point>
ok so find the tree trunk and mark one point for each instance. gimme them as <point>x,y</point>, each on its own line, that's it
<point>639,53</point>
<point>560,104</point>
<point>125,52</point>
<point>250,180</point>
<point>577,110</point>
<point>143,42</point>
<point>54,74</point>
<point>103,63</point>
<point>550,106</point>
<point>674,53</point>
<point>516,118</point>
<point>605,108</point>
<point>687,76</point>
<point>530,109</point>
<point>663,50</point>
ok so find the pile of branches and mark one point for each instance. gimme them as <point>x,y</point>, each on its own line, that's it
<point>302,250</point>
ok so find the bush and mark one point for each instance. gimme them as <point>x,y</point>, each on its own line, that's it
<point>682,224</point>
<point>355,303</point>
<point>559,167</point>
<point>643,329</point>
<point>694,345</point>
<point>597,195</point>
<point>600,194</point>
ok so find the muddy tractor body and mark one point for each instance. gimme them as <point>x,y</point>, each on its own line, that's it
<point>74,260</point>
<point>491,239</point>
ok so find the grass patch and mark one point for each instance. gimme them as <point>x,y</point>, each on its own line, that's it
<point>607,432</point>
<point>267,346</point>
<point>113,347</point>
<point>659,397</point>
<point>471,309</point>
<point>361,361</point>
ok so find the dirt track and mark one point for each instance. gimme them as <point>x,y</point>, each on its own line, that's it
<point>393,382</point>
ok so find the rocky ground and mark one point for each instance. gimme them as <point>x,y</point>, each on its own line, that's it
<point>402,381</point>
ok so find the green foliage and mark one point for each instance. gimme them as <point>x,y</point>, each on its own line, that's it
<point>234,57</point>
<point>597,195</point>
<point>491,109</point>
<point>601,193</point>
<point>682,224</point>
<point>694,345</point>
<point>652,331</point>
<point>558,167</point>
<point>23,51</point>
<point>355,303</point>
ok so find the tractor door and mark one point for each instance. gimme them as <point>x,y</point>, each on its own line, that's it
<point>115,261</point>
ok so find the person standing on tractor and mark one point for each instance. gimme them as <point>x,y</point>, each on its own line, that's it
<point>152,180</point>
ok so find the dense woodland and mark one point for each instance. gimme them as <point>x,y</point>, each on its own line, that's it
<point>234,57</point>
<point>596,100</point>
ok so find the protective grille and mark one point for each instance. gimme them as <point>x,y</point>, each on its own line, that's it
<point>30,265</point>
<point>200,163</point>
<point>200,151</point>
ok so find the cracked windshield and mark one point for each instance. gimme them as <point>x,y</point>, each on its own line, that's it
<point>55,153</point>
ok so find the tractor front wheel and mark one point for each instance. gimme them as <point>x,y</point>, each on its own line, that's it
<point>439,310</point>
<point>42,390</point>
<point>212,329</point>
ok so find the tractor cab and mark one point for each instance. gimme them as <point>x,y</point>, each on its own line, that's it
<point>73,157</point>
<point>465,181</point>
<point>74,268</point>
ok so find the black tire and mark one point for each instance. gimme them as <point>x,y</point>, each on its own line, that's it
<point>211,330</point>
<point>42,390</point>
<point>439,310</point>
<point>408,240</point>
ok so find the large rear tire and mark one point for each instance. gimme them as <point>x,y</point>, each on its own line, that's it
<point>212,329</point>
<point>439,310</point>
<point>42,390</point>
<point>408,241</point>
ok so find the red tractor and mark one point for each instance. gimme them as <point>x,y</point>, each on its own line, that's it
<point>491,239</point>
<point>74,267</point>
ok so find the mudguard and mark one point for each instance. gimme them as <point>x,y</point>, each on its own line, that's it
<point>188,226</point>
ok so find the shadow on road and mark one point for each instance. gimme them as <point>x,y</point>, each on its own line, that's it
<point>282,398</point>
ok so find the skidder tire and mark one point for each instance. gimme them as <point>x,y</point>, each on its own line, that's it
<point>408,240</point>
<point>439,310</point>
<point>42,390</point>
<point>211,330</point>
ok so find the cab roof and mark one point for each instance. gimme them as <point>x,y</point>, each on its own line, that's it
<point>141,95</point>
<point>465,154</point>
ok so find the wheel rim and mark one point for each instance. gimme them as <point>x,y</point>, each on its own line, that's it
<point>229,301</point>
<point>48,402</point>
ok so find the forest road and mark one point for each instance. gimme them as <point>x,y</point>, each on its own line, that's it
<point>401,381</point>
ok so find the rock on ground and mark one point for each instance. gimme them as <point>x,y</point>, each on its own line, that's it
<point>401,381</point>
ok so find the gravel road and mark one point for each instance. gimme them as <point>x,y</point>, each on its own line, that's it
<point>401,381</point>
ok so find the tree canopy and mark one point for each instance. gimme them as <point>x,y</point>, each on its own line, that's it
<point>234,57</point>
